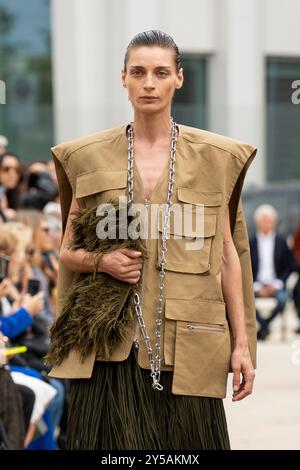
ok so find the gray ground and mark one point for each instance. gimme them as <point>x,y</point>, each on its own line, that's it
<point>270,417</point>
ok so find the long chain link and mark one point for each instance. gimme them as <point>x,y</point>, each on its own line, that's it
<point>155,365</point>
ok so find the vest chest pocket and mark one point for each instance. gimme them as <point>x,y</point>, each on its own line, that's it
<point>100,186</point>
<point>189,243</point>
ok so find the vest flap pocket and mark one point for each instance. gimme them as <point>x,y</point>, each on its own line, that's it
<point>204,226</point>
<point>196,310</point>
<point>207,198</point>
<point>188,248</point>
<point>99,180</point>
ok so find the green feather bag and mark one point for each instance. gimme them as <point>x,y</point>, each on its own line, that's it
<point>98,308</point>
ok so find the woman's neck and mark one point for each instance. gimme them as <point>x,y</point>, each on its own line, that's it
<point>151,128</point>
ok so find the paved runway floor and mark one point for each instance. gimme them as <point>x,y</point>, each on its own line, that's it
<point>270,417</point>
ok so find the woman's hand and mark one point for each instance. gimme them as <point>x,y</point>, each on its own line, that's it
<point>241,364</point>
<point>123,264</point>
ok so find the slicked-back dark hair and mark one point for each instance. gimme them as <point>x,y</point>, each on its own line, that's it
<point>154,37</point>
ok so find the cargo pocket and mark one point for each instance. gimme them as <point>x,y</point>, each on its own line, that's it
<point>197,343</point>
<point>97,186</point>
<point>189,244</point>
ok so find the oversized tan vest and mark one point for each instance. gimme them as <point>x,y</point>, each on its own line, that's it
<point>210,171</point>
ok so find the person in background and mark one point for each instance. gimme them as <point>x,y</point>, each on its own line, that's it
<point>11,177</point>
<point>3,144</point>
<point>41,254</point>
<point>272,263</point>
<point>14,424</point>
<point>296,289</point>
<point>37,338</point>
<point>24,323</point>
<point>39,187</point>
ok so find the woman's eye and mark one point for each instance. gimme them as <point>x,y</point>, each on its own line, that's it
<point>162,73</point>
<point>137,72</point>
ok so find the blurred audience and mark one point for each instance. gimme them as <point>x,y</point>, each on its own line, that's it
<point>42,256</point>
<point>11,177</point>
<point>29,252</point>
<point>272,263</point>
<point>12,422</point>
<point>3,144</point>
<point>39,187</point>
<point>296,290</point>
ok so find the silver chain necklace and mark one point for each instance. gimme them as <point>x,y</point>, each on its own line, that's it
<point>155,365</point>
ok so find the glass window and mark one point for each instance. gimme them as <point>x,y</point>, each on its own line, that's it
<point>190,102</point>
<point>25,66</point>
<point>283,120</point>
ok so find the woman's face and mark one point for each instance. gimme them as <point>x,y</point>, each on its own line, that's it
<point>151,72</point>
<point>9,172</point>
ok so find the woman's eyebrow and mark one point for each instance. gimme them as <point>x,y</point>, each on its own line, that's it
<point>140,67</point>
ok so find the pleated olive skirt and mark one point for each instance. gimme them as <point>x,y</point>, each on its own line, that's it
<point>117,409</point>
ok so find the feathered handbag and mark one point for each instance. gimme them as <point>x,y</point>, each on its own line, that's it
<point>97,308</point>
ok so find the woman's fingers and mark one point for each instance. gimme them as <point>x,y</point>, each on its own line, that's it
<point>236,378</point>
<point>131,262</point>
<point>130,252</point>
<point>246,386</point>
<point>131,267</point>
<point>133,280</point>
<point>132,274</point>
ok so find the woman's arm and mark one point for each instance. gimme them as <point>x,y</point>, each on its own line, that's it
<point>232,288</point>
<point>75,260</point>
<point>123,264</point>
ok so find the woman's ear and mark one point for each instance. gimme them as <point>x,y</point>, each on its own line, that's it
<point>180,79</point>
<point>123,75</point>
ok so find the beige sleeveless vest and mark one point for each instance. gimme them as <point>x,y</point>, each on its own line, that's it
<point>210,171</point>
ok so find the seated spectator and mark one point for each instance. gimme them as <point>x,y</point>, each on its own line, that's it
<point>39,188</point>
<point>31,332</point>
<point>11,411</point>
<point>43,260</point>
<point>29,227</point>
<point>17,322</point>
<point>272,263</point>
<point>11,177</point>
<point>296,290</point>
<point>10,436</point>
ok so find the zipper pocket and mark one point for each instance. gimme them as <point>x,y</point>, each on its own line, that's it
<point>209,328</point>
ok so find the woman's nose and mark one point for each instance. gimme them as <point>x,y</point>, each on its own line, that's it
<point>149,82</point>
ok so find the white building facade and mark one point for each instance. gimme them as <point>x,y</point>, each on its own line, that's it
<point>234,37</point>
<point>61,63</point>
